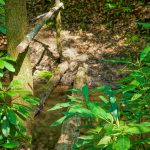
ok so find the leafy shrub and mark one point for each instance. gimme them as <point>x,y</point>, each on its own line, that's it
<point>13,113</point>
<point>115,123</point>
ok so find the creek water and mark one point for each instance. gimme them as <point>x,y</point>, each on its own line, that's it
<point>44,136</point>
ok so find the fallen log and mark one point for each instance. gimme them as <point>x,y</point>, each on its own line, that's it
<point>24,44</point>
<point>52,83</point>
<point>70,132</point>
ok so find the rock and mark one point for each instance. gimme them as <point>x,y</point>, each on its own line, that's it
<point>68,78</point>
<point>81,58</point>
<point>73,66</point>
<point>70,53</point>
<point>63,66</point>
<point>54,52</point>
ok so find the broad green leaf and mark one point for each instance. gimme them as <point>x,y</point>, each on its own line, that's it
<point>143,24</point>
<point>79,110</point>
<point>5,126</point>
<point>59,121</point>
<point>12,117</point>
<point>2,65</point>
<point>31,100</point>
<point>61,105</point>
<point>145,52</point>
<point>85,92</point>
<point>104,141</point>
<point>11,144</point>
<point>104,99</point>
<point>15,83</point>
<point>136,96</point>
<point>98,112</point>
<point>9,66</point>
<point>137,130</point>
<point>122,143</point>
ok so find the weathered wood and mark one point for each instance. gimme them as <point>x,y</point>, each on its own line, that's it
<point>70,132</point>
<point>53,82</point>
<point>58,30</point>
<point>24,44</point>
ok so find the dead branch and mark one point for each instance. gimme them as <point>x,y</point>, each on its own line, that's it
<point>24,44</point>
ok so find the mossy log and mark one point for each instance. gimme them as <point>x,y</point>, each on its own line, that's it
<point>52,83</point>
<point>70,132</point>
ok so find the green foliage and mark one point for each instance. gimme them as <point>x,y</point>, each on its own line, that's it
<point>115,123</point>
<point>5,64</point>
<point>12,113</point>
<point>2,17</point>
<point>44,74</point>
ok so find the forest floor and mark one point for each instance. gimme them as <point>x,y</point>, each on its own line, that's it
<point>78,48</point>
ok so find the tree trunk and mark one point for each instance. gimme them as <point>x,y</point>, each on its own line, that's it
<point>16,24</point>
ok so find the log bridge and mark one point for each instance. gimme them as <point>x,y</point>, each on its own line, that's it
<point>69,134</point>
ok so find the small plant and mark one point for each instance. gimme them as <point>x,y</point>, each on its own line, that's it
<point>114,123</point>
<point>13,113</point>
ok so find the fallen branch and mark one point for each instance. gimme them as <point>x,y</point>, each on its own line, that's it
<point>24,44</point>
<point>53,82</point>
<point>70,132</point>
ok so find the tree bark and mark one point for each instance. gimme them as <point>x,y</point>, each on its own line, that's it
<point>70,132</point>
<point>16,25</point>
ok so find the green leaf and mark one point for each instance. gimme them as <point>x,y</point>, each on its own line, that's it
<point>122,143</point>
<point>15,83</point>
<point>137,130</point>
<point>136,96</point>
<point>59,121</point>
<point>9,66</point>
<point>5,127</point>
<point>61,105</point>
<point>2,65</point>
<point>98,112</point>
<point>31,100</point>
<point>1,85</point>
<point>12,117</point>
<point>104,141</point>
<point>74,90</point>
<point>145,52</point>
<point>11,144</point>
<point>85,92</point>
<point>2,2</point>
<point>104,99</point>
<point>74,98</point>
<point>142,141</point>
<point>88,137</point>
<point>98,89</point>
